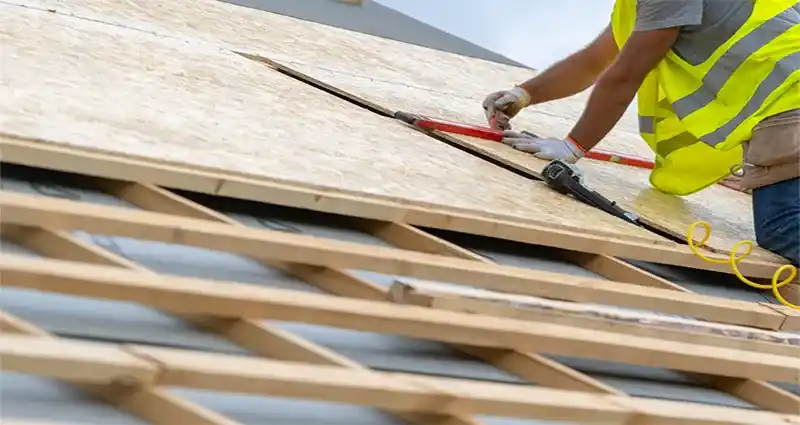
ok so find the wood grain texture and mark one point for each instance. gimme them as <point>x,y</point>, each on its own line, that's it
<point>211,298</point>
<point>61,214</point>
<point>399,76</point>
<point>189,102</point>
<point>480,301</point>
<point>384,71</point>
<point>409,392</point>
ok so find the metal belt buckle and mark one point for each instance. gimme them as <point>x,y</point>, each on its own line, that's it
<point>737,170</point>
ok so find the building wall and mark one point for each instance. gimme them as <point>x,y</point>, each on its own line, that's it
<point>373,18</point>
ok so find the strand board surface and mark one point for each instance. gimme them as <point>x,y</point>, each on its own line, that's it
<point>188,102</point>
<point>389,73</point>
<point>392,75</point>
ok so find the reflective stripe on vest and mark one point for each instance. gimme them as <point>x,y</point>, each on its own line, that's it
<point>723,70</point>
<point>733,58</point>
<point>696,116</point>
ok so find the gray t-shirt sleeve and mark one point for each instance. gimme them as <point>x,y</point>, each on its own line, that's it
<point>660,14</point>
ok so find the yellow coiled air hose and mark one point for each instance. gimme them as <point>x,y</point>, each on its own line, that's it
<point>734,259</point>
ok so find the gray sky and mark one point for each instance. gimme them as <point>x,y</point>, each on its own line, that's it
<point>533,32</point>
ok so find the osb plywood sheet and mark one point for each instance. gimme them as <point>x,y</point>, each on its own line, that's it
<point>730,213</point>
<point>627,185</point>
<point>395,75</point>
<point>553,119</point>
<point>130,92</point>
<point>399,76</point>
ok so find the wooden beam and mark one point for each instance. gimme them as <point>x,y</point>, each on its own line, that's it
<point>758,393</point>
<point>253,335</point>
<point>261,243</point>
<point>617,270</point>
<point>408,237</point>
<point>74,361</point>
<point>533,367</point>
<point>151,404</point>
<point>762,394</point>
<point>63,246</point>
<point>477,301</point>
<point>41,154</point>
<point>14,325</point>
<point>792,321</point>
<point>530,366</point>
<point>155,199</point>
<point>194,296</point>
<point>396,391</point>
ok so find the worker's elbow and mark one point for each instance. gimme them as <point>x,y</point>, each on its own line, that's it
<point>621,77</point>
<point>600,54</point>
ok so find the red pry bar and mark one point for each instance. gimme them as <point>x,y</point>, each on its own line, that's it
<point>495,135</point>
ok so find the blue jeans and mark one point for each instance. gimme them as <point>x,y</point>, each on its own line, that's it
<point>776,213</point>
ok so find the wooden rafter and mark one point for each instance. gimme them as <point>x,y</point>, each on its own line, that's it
<point>395,391</point>
<point>532,367</point>
<point>266,244</point>
<point>195,296</point>
<point>61,245</point>
<point>529,366</point>
<point>759,393</point>
<point>254,335</point>
<point>151,404</point>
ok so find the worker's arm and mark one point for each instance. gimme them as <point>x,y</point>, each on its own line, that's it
<point>566,78</point>
<point>575,73</point>
<point>618,85</point>
<point>610,98</point>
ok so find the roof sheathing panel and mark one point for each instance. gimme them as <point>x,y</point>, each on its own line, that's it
<point>190,103</point>
<point>362,66</point>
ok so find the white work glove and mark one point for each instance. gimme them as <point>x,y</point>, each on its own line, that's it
<point>544,148</point>
<point>503,105</point>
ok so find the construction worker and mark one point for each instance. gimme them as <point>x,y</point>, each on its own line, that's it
<point>718,84</point>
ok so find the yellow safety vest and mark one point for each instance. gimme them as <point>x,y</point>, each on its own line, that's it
<point>696,117</point>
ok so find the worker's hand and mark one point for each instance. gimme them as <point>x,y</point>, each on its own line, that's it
<point>501,106</point>
<point>543,148</point>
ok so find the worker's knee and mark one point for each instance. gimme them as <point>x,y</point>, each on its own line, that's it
<point>776,210</point>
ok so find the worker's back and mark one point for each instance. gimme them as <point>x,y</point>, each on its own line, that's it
<point>714,22</point>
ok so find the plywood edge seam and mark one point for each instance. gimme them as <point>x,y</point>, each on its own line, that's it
<point>388,113</point>
<point>397,391</point>
<point>475,150</point>
<point>313,82</point>
<point>41,154</point>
